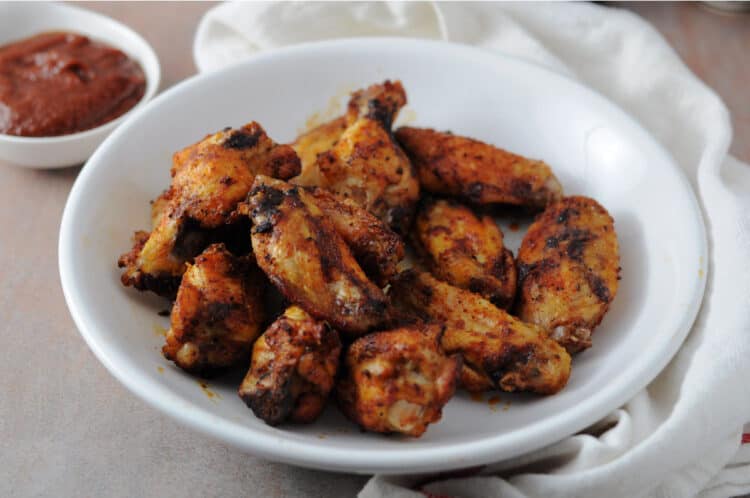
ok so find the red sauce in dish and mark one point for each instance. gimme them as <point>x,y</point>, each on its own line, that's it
<point>60,83</point>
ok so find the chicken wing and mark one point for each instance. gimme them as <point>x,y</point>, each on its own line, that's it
<point>218,312</point>
<point>398,380</point>
<point>569,267</point>
<point>292,370</point>
<point>365,163</point>
<point>498,350</point>
<point>308,261</point>
<point>314,142</point>
<point>465,250</point>
<point>376,247</point>
<point>209,179</point>
<point>478,172</point>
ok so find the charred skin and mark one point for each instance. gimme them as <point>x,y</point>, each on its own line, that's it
<point>569,267</point>
<point>293,368</point>
<point>477,172</point>
<point>499,351</point>
<point>218,312</point>
<point>297,246</point>
<point>365,164</point>
<point>209,179</point>
<point>376,247</point>
<point>397,380</point>
<point>466,250</point>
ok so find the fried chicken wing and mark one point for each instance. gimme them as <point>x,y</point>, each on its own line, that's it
<point>478,172</point>
<point>375,246</point>
<point>292,370</point>
<point>466,250</point>
<point>209,179</point>
<point>569,268</point>
<point>498,350</point>
<point>314,142</point>
<point>218,312</point>
<point>365,163</point>
<point>299,249</point>
<point>398,380</point>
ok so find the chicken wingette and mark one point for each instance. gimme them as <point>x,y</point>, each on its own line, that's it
<point>209,179</point>
<point>297,246</point>
<point>569,267</point>
<point>477,172</point>
<point>365,163</point>
<point>314,142</point>
<point>397,380</point>
<point>465,250</point>
<point>292,370</point>
<point>376,247</point>
<point>499,351</point>
<point>218,312</point>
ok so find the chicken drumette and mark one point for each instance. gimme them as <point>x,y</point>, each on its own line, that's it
<point>569,268</point>
<point>466,250</point>
<point>218,312</point>
<point>478,172</point>
<point>292,370</point>
<point>364,163</point>
<point>397,380</point>
<point>299,249</point>
<point>209,179</point>
<point>498,350</point>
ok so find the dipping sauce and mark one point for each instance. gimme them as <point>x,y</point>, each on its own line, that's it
<point>59,83</point>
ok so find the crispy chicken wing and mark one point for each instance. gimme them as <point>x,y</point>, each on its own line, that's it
<point>209,179</point>
<point>365,163</point>
<point>316,141</point>
<point>376,247</point>
<point>308,261</point>
<point>478,172</point>
<point>292,370</point>
<point>398,380</point>
<point>465,250</point>
<point>498,350</point>
<point>218,312</point>
<point>569,268</point>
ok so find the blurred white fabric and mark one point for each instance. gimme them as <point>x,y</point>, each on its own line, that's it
<point>682,435</point>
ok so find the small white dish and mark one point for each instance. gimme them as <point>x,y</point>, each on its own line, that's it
<point>23,19</point>
<point>593,146</point>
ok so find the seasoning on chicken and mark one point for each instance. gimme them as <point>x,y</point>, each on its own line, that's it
<point>477,172</point>
<point>569,267</point>
<point>292,370</point>
<point>209,179</point>
<point>499,351</point>
<point>307,260</point>
<point>398,380</point>
<point>466,250</point>
<point>365,163</point>
<point>377,248</point>
<point>218,313</point>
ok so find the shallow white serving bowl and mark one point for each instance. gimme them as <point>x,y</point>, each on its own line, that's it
<point>593,146</point>
<point>21,20</point>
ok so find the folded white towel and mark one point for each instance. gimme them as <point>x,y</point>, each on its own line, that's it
<point>682,435</point>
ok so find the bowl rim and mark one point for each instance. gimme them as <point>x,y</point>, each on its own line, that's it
<point>149,93</point>
<point>392,461</point>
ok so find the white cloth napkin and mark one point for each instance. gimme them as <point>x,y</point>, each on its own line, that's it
<point>681,436</point>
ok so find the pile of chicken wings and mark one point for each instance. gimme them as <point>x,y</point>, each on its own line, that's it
<point>288,260</point>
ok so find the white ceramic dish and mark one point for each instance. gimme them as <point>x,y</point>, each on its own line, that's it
<point>594,147</point>
<point>23,19</point>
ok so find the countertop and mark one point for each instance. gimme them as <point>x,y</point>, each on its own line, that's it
<point>68,428</point>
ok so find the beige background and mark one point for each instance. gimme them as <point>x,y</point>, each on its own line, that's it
<point>67,428</point>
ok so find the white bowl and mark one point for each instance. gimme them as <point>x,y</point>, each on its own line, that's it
<point>593,146</point>
<point>20,20</point>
